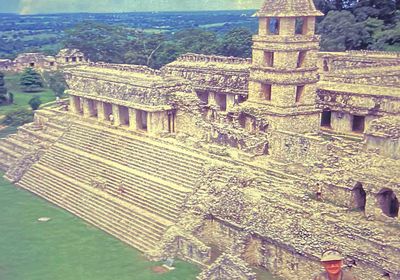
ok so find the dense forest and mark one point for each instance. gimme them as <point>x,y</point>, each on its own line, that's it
<point>155,39</point>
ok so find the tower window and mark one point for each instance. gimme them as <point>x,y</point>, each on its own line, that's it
<point>266,91</point>
<point>326,118</point>
<point>301,58</point>
<point>273,26</point>
<point>358,124</point>
<point>269,59</point>
<point>300,27</point>
<point>299,93</point>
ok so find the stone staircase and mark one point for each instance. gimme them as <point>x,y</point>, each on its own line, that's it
<point>127,185</point>
<point>29,138</point>
<point>138,153</point>
<point>122,220</point>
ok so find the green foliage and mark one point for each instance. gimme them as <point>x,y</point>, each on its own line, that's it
<point>3,90</point>
<point>35,103</point>
<point>18,117</point>
<point>237,42</point>
<point>348,35</point>
<point>10,97</point>
<point>31,81</point>
<point>56,81</point>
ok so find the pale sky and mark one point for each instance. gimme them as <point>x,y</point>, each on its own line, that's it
<point>70,6</point>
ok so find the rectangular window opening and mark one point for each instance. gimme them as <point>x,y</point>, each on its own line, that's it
<point>301,58</point>
<point>269,59</point>
<point>273,26</point>
<point>326,118</point>
<point>299,93</point>
<point>266,91</point>
<point>301,26</point>
<point>358,124</point>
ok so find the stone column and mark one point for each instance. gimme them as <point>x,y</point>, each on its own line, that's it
<point>117,118</point>
<point>156,122</point>
<point>101,115</point>
<point>132,119</point>
<point>86,108</point>
<point>212,98</point>
<point>341,122</point>
<point>230,101</point>
<point>74,104</point>
<point>372,208</point>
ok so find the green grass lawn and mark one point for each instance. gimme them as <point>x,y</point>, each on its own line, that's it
<point>66,248</point>
<point>21,99</point>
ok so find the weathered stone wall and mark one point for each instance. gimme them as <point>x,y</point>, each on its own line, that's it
<point>219,74</point>
<point>331,61</point>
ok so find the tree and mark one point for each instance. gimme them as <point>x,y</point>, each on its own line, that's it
<point>31,81</point>
<point>3,90</point>
<point>100,42</point>
<point>35,103</point>
<point>196,40</point>
<point>237,42</point>
<point>348,35</point>
<point>56,82</point>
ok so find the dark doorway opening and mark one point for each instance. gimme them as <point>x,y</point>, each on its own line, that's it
<point>358,124</point>
<point>388,202</point>
<point>326,118</point>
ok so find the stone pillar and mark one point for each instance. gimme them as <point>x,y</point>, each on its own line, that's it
<point>212,98</point>
<point>86,108</point>
<point>157,122</point>
<point>287,26</point>
<point>132,119</point>
<point>74,105</point>
<point>117,118</point>
<point>263,25</point>
<point>341,122</point>
<point>372,208</point>
<point>101,115</point>
<point>230,101</point>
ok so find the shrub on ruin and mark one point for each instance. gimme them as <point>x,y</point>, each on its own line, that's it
<point>3,91</point>
<point>31,81</point>
<point>35,103</point>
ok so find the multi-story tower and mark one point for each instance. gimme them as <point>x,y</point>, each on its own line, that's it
<point>283,75</point>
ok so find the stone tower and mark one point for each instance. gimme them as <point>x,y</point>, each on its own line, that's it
<point>283,75</point>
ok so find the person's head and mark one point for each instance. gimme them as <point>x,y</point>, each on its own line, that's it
<point>332,261</point>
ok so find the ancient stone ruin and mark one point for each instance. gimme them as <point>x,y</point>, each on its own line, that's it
<point>230,163</point>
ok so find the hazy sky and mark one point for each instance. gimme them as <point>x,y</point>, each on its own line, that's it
<point>60,6</point>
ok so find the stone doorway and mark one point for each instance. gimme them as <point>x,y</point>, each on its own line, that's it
<point>326,118</point>
<point>123,115</point>
<point>108,111</point>
<point>92,104</point>
<point>141,120</point>
<point>359,197</point>
<point>388,202</point>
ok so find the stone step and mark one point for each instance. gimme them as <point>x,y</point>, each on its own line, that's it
<point>144,177</point>
<point>126,159</point>
<point>38,134</point>
<point>75,199</point>
<point>135,142</point>
<point>153,203</point>
<point>83,211</point>
<point>155,220</point>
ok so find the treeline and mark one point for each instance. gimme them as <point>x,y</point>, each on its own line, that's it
<point>359,24</point>
<point>120,44</point>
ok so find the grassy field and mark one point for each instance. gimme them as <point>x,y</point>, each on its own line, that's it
<point>21,99</point>
<point>66,248</point>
